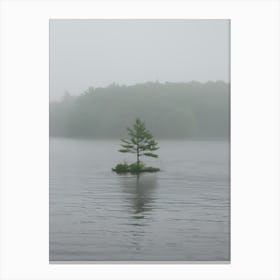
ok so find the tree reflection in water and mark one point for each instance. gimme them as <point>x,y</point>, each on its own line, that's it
<point>139,193</point>
<point>139,190</point>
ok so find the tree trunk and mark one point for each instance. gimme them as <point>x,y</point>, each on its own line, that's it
<point>138,161</point>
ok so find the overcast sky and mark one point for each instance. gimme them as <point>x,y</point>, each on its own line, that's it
<point>97,53</point>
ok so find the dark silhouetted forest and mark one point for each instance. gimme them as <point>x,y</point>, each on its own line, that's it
<point>169,110</point>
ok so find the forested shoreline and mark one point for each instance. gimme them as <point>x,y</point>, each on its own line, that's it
<point>170,110</point>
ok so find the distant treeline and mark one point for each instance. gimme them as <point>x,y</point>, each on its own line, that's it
<point>169,110</point>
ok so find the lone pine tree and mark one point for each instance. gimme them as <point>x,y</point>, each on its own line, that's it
<point>141,143</point>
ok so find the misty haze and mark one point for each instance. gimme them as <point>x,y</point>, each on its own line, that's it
<point>139,140</point>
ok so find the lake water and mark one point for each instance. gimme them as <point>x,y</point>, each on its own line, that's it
<point>178,214</point>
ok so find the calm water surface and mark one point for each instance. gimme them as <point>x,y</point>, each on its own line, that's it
<point>178,214</point>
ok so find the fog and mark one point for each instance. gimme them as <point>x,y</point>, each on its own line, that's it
<point>96,53</point>
<point>170,110</point>
<point>174,76</point>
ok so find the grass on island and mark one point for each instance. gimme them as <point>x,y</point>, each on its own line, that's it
<point>133,168</point>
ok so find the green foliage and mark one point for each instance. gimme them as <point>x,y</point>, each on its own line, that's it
<point>140,140</point>
<point>136,167</point>
<point>121,168</point>
<point>133,168</point>
<point>150,155</point>
<point>150,169</point>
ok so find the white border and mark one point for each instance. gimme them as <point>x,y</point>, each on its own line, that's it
<point>254,127</point>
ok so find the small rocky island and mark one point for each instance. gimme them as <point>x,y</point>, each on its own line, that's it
<point>141,143</point>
